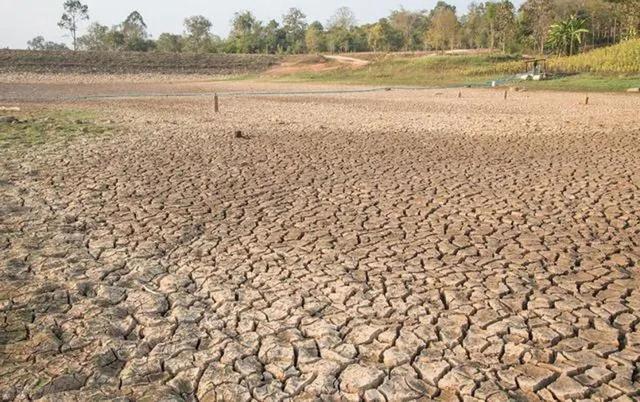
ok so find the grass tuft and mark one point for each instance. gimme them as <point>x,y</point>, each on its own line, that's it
<point>37,128</point>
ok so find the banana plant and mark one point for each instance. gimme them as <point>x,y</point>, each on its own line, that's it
<point>564,35</point>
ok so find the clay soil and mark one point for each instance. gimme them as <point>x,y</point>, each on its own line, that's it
<point>378,246</point>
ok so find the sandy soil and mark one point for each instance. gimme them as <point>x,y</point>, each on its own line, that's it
<point>381,246</point>
<point>352,61</point>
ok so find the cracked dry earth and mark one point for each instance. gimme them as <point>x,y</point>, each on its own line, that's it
<point>385,246</point>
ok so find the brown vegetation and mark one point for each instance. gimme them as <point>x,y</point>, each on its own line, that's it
<point>132,62</point>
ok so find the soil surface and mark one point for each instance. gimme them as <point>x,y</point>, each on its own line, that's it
<point>379,246</point>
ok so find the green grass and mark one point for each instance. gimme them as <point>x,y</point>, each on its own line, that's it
<point>426,71</point>
<point>586,82</point>
<point>46,127</point>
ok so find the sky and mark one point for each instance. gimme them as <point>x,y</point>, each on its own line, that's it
<point>21,20</point>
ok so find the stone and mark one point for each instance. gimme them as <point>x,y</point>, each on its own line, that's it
<point>8,119</point>
<point>373,395</point>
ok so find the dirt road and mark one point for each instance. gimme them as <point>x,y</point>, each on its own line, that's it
<point>383,246</point>
<point>347,60</point>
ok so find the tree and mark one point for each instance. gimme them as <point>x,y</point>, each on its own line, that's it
<point>475,29</point>
<point>630,13</point>
<point>443,30</point>
<point>339,35</point>
<point>135,33</point>
<point>245,33</point>
<point>506,23</point>
<point>39,43</point>
<point>442,5</point>
<point>314,38</point>
<point>273,37</point>
<point>564,35</point>
<point>134,25</point>
<point>410,25</point>
<point>536,17</point>
<point>294,27</point>
<point>74,13</point>
<point>491,15</point>
<point>343,18</point>
<point>502,24</point>
<point>96,38</point>
<point>169,43</point>
<point>129,35</point>
<point>197,34</point>
<point>381,36</point>
<point>339,40</point>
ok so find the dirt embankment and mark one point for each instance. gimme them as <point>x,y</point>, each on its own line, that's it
<point>13,61</point>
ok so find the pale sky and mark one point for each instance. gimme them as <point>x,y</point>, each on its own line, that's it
<point>21,20</point>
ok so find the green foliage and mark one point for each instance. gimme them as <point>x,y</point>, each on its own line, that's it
<point>494,24</point>
<point>170,43</point>
<point>294,26</point>
<point>131,35</point>
<point>475,27</point>
<point>444,28</point>
<point>197,37</point>
<point>382,36</point>
<point>502,26</point>
<point>565,35</point>
<point>39,43</point>
<point>274,38</point>
<point>315,39</point>
<point>245,34</point>
<point>340,39</point>
<point>134,31</point>
<point>96,38</point>
<point>411,26</point>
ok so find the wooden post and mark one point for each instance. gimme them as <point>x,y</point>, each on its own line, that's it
<point>506,92</point>
<point>586,99</point>
<point>459,94</point>
<point>216,107</point>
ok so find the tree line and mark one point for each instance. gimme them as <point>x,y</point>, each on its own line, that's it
<point>538,26</point>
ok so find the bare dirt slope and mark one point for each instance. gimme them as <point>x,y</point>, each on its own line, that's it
<point>12,61</point>
<point>348,60</point>
<point>394,245</point>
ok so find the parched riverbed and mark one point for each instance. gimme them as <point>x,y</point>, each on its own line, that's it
<point>379,246</point>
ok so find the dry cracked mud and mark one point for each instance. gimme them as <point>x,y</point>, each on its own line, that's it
<point>389,246</point>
